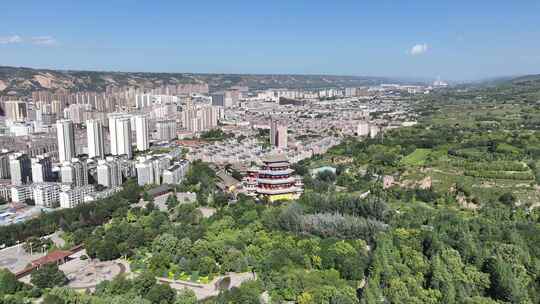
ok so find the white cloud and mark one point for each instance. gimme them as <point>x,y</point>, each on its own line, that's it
<point>10,39</point>
<point>43,40</point>
<point>419,49</point>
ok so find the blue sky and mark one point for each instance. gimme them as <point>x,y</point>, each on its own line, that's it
<point>454,39</point>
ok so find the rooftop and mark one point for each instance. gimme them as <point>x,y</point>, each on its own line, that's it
<point>52,257</point>
<point>275,158</point>
<point>226,179</point>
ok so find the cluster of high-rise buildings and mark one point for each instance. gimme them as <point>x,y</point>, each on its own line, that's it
<point>200,118</point>
<point>70,147</point>
<point>16,111</point>
<point>65,180</point>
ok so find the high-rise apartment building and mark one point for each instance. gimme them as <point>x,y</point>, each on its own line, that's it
<point>20,168</point>
<point>120,134</point>
<point>150,169</point>
<point>145,173</point>
<point>227,99</point>
<point>74,172</point>
<point>278,134</point>
<point>4,164</point>
<point>109,172</point>
<point>44,118</point>
<point>66,140</point>
<point>141,133</point>
<point>232,97</point>
<point>166,130</point>
<point>201,118</point>
<point>350,92</point>
<point>42,169</point>
<point>76,112</point>
<point>16,110</point>
<point>56,107</point>
<point>218,99</point>
<point>95,140</point>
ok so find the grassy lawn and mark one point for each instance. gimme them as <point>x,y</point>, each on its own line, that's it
<point>416,158</point>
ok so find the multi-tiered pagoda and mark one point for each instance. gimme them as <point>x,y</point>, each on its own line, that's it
<point>274,180</point>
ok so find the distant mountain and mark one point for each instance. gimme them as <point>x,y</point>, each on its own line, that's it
<point>527,79</point>
<point>503,81</point>
<point>20,81</point>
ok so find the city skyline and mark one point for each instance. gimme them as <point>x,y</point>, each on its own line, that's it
<point>457,41</point>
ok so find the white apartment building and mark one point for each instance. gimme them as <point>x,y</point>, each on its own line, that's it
<point>278,134</point>
<point>374,131</point>
<point>20,168</point>
<point>21,193</point>
<point>66,140</point>
<point>46,194</point>
<point>5,192</point>
<point>166,130</point>
<point>74,172</point>
<point>150,169</point>
<point>175,174</point>
<point>145,173</point>
<point>4,164</point>
<point>120,134</point>
<point>21,129</point>
<point>74,197</point>
<point>42,169</point>
<point>15,110</point>
<point>95,139</point>
<point>165,111</point>
<point>109,172</point>
<point>363,128</point>
<point>147,100</point>
<point>141,131</point>
<point>76,112</point>
<point>200,118</point>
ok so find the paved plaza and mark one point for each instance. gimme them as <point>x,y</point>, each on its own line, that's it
<point>87,274</point>
<point>16,259</point>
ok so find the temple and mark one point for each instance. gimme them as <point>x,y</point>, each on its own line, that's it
<point>274,180</point>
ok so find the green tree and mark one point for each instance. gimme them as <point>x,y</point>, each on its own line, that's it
<point>9,283</point>
<point>53,299</point>
<point>508,199</point>
<point>48,276</point>
<point>147,197</point>
<point>172,201</point>
<point>144,282</point>
<point>186,296</point>
<point>161,294</point>
<point>248,293</point>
